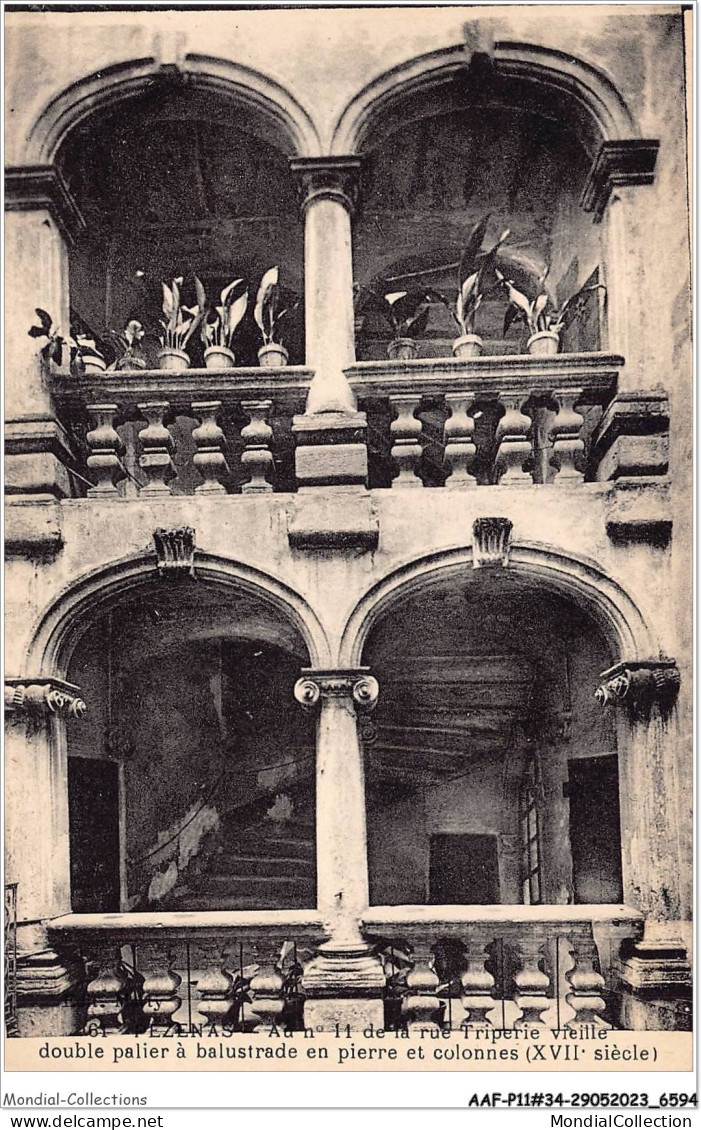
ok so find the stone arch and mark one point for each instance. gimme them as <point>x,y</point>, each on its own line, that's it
<point>59,627</point>
<point>583,93</point>
<point>273,111</point>
<point>577,579</point>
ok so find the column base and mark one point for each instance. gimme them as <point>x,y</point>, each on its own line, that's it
<point>344,984</point>
<point>331,448</point>
<point>657,975</point>
<point>47,1001</point>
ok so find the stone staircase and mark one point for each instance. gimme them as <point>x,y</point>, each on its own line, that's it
<point>264,866</point>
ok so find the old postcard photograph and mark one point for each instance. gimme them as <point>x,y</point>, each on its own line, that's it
<point>348,542</point>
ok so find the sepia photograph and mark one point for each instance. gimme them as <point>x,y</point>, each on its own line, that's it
<point>348,529</point>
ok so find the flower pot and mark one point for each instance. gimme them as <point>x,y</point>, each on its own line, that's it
<point>403,349</point>
<point>93,365</point>
<point>128,361</point>
<point>273,356</point>
<point>173,359</point>
<point>218,357</point>
<point>469,345</point>
<point>544,344</point>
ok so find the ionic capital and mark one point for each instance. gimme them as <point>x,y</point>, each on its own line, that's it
<point>356,684</point>
<point>48,696</point>
<point>640,685</point>
<point>327,178</point>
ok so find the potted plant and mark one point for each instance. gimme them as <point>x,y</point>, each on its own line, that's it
<point>220,323</point>
<point>56,344</point>
<point>179,325</point>
<point>269,311</point>
<point>407,313</point>
<point>128,343</point>
<point>545,322</point>
<point>90,358</point>
<point>477,278</point>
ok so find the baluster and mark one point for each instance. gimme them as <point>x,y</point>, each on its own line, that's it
<point>531,982</point>
<point>420,1002</point>
<point>214,985</point>
<point>160,987</point>
<point>257,458</point>
<point>458,432</point>
<point>586,983</point>
<point>565,433</point>
<point>515,445</point>
<point>209,459</point>
<point>157,445</point>
<point>106,993</point>
<point>405,431</point>
<point>106,448</point>
<point>477,982</point>
<point>266,991</point>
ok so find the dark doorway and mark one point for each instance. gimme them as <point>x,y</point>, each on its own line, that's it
<point>463,869</point>
<point>595,830</point>
<point>93,812</point>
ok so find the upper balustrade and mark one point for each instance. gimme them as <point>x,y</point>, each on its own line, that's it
<point>509,420</point>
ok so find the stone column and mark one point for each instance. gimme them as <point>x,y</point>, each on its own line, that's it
<point>656,967</point>
<point>344,982</point>
<point>41,222</point>
<point>36,841</point>
<point>330,435</point>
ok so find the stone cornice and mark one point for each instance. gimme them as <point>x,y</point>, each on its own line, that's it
<point>44,696</point>
<point>639,686</point>
<point>354,683</point>
<point>32,187</point>
<point>327,178</point>
<point>618,164</point>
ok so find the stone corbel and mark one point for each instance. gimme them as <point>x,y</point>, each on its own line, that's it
<point>640,686</point>
<point>49,696</point>
<point>491,542</point>
<point>327,178</point>
<point>356,684</point>
<point>175,550</point>
<point>31,187</point>
<point>618,164</point>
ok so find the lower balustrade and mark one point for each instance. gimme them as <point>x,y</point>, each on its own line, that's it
<point>503,967</point>
<point>190,972</point>
<point>500,966</point>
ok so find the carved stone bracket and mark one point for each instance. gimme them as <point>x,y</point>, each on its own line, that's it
<point>49,696</point>
<point>356,684</point>
<point>639,686</point>
<point>491,542</point>
<point>32,187</point>
<point>327,178</point>
<point>175,550</point>
<point>618,164</point>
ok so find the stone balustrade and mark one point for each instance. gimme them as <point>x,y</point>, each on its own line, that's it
<point>188,971</point>
<point>194,431</point>
<point>500,966</point>
<point>444,966</point>
<point>513,420</point>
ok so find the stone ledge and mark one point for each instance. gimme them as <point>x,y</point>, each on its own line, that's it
<point>32,526</point>
<point>344,519</point>
<point>639,510</point>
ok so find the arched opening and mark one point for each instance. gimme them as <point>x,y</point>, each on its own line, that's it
<point>191,786</point>
<point>179,179</point>
<point>437,158</point>
<point>492,774</point>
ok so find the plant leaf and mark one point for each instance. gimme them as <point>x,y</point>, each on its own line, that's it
<point>263,298</point>
<point>468,259</point>
<point>200,292</point>
<point>417,326</point>
<point>232,292</point>
<point>236,312</point>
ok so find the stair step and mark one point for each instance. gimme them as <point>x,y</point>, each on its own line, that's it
<point>268,848</point>
<point>191,900</point>
<point>231,863</point>
<point>253,884</point>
